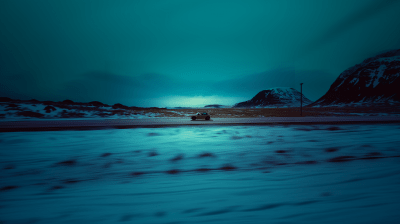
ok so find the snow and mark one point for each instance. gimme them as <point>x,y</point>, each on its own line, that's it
<point>355,80</point>
<point>379,98</point>
<point>180,113</point>
<point>283,174</point>
<point>381,70</point>
<point>376,75</point>
<point>286,94</point>
<point>341,83</point>
<point>374,114</point>
<point>389,59</point>
<point>281,89</point>
<point>11,115</point>
<point>286,97</point>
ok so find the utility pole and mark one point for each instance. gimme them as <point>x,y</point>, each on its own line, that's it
<point>301,99</point>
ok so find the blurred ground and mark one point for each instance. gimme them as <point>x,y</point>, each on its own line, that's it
<point>202,174</point>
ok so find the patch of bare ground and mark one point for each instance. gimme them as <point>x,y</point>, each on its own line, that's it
<point>7,188</point>
<point>227,167</point>
<point>71,162</point>
<point>57,187</point>
<point>173,171</point>
<point>206,154</point>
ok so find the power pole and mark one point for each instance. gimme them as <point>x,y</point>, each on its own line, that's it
<point>301,99</point>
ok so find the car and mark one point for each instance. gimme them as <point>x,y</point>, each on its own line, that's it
<point>203,115</point>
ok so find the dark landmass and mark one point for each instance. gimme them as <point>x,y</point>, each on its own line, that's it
<point>276,97</point>
<point>373,82</point>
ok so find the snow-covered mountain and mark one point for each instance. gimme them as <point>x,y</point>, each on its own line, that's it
<point>371,82</point>
<point>275,97</point>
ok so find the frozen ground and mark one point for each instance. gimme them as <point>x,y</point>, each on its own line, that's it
<point>31,111</point>
<point>202,174</point>
<point>78,113</point>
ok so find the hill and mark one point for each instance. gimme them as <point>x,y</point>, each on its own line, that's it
<point>276,97</point>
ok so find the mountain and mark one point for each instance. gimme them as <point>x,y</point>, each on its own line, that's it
<point>216,106</point>
<point>371,82</point>
<point>276,97</point>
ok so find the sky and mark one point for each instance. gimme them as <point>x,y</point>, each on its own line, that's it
<point>168,53</point>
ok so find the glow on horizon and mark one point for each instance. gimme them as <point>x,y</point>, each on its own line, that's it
<point>195,101</point>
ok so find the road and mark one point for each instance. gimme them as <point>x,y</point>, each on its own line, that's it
<point>65,124</point>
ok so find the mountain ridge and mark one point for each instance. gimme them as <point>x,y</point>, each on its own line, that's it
<point>275,97</point>
<point>373,81</point>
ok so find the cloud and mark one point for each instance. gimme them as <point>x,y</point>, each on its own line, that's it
<point>140,90</point>
<point>349,22</point>
<point>249,85</point>
<point>21,85</point>
<point>154,89</point>
<point>108,87</point>
<point>195,101</point>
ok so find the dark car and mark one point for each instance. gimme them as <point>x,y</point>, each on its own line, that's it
<point>204,115</point>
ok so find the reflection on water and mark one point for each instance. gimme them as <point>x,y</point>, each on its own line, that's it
<point>235,174</point>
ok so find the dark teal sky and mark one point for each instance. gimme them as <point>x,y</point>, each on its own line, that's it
<point>185,53</point>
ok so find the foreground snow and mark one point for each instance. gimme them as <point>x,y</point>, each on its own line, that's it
<point>252,174</point>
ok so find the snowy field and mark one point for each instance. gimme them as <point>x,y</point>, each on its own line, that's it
<point>202,174</point>
<point>83,113</point>
<point>28,111</point>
